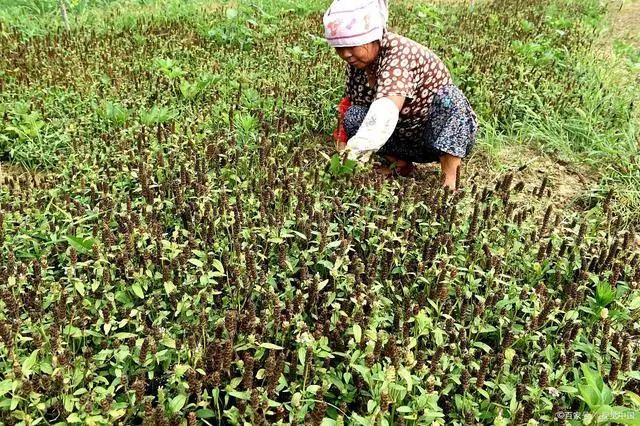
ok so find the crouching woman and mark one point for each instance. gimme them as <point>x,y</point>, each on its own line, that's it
<point>403,103</point>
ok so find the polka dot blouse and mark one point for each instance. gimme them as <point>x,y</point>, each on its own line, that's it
<point>403,68</point>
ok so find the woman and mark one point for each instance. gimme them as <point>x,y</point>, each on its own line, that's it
<point>405,106</point>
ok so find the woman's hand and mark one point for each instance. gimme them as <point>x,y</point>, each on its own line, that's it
<point>376,129</point>
<point>357,149</point>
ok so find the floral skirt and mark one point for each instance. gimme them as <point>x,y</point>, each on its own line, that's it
<point>451,128</point>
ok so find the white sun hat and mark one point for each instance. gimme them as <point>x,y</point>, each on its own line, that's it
<point>349,23</point>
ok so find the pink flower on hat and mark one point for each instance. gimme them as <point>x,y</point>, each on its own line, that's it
<point>333,27</point>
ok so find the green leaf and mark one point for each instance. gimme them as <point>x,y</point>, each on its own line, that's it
<point>218,265</point>
<point>116,414</point>
<point>231,13</point>
<point>271,346</point>
<point>349,166</point>
<point>312,389</point>
<point>168,342</point>
<point>205,413</point>
<point>79,244</point>
<point>5,386</point>
<point>74,418</point>
<point>567,389</point>
<point>123,297</point>
<point>507,389</point>
<point>513,404</point>
<point>196,262</point>
<point>357,333</point>
<point>328,422</point>
<point>606,397</point>
<point>624,416</point>
<point>169,287</point>
<point>589,395</point>
<point>180,369</point>
<point>336,165</point>
<point>404,409</point>
<point>137,290</point>
<point>406,375</point>
<point>46,367</point>
<point>361,420</point>
<point>240,395</point>
<point>634,397</point>
<point>439,336</point>
<point>592,377</point>
<point>123,335</point>
<point>605,294</point>
<point>79,286</point>
<point>30,362</point>
<point>482,346</point>
<point>177,403</point>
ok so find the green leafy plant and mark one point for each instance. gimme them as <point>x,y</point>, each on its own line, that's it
<point>339,166</point>
<point>235,31</point>
<point>605,294</point>
<point>24,124</point>
<point>598,397</point>
<point>170,68</point>
<point>114,113</point>
<point>157,115</point>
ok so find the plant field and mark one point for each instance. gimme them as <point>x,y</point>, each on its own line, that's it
<point>180,247</point>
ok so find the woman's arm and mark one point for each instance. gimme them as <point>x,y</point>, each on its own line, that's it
<point>376,129</point>
<point>398,100</point>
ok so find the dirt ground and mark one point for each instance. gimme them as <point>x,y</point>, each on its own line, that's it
<point>10,170</point>
<point>569,184</point>
<point>625,20</point>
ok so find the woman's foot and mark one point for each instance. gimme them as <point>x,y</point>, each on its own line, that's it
<point>401,167</point>
<point>450,165</point>
<point>384,171</point>
<point>406,169</point>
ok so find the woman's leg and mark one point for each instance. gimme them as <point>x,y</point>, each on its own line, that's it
<point>451,130</point>
<point>449,165</point>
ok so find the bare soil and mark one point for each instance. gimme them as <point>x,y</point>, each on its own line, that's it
<point>625,20</point>
<point>568,184</point>
<point>10,171</point>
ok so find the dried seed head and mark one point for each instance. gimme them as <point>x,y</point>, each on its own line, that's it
<point>482,372</point>
<point>613,372</point>
<point>247,378</point>
<point>464,379</point>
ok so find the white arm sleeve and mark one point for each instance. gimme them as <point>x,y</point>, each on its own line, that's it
<point>376,129</point>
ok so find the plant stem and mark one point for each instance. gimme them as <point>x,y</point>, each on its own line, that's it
<point>63,12</point>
